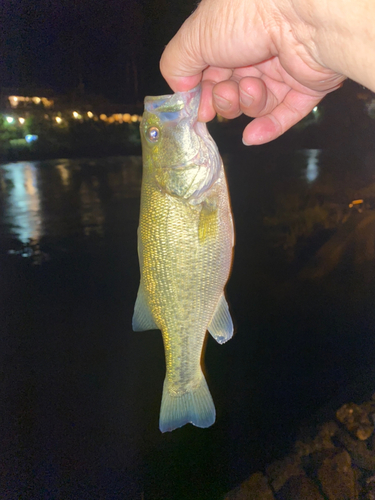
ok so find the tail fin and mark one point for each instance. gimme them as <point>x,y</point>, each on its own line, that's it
<point>195,407</point>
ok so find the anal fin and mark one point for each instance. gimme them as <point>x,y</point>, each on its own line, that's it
<point>142,317</point>
<point>221,326</point>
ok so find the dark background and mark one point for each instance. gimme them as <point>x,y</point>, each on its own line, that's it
<point>79,391</point>
<point>110,47</point>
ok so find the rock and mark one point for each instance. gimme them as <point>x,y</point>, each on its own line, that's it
<point>281,470</point>
<point>369,493</point>
<point>361,455</point>
<point>356,420</point>
<point>304,447</point>
<point>316,460</point>
<point>322,441</point>
<point>255,488</point>
<point>369,408</point>
<point>337,477</point>
<point>299,488</point>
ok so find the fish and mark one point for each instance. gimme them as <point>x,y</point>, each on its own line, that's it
<point>185,247</point>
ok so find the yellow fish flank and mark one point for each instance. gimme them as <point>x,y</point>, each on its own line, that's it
<point>185,242</point>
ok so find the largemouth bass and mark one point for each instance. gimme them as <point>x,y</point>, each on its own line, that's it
<point>185,243</point>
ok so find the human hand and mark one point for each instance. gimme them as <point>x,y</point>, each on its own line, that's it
<point>253,57</point>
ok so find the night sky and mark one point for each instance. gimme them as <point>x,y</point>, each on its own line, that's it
<point>110,47</point>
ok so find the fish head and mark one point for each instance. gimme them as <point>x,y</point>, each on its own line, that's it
<point>178,151</point>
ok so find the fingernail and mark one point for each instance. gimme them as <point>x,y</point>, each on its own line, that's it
<point>222,103</point>
<point>245,98</point>
<point>245,143</point>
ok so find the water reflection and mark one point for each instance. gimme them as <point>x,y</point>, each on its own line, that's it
<point>92,216</point>
<point>64,173</point>
<point>312,168</point>
<point>20,182</point>
<point>65,197</point>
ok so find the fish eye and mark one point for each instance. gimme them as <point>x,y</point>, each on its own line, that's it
<point>153,134</point>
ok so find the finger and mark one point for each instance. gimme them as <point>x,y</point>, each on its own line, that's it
<point>216,74</point>
<point>260,96</point>
<point>289,112</point>
<point>206,110</point>
<point>226,99</point>
<point>254,97</point>
<point>211,76</point>
<point>239,73</point>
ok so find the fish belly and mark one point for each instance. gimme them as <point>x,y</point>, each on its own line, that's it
<point>185,254</point>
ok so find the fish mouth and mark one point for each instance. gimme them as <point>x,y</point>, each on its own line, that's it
<point>172,103</point>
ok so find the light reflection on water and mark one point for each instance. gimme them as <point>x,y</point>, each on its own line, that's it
<point>312,168</point>
<point>22,209</point>
<point>64,173</point>
<point>64,197</point>
<point>92,216</point>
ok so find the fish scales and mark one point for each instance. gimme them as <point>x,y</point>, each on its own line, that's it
<point>185,241</point>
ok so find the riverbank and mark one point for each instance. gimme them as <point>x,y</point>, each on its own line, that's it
<point>333,457</point>
<point>94,139</point>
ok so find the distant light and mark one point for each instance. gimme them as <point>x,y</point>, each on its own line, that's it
<point>31,138</point>
<point>315,109</point>
<point>13,99</point>
<point>312,170</point>
<point>103,116</point>
<point>58,119</point>
<point>21,120</point>
<point>10,119</point>
<point>76,115</point>
<point>134,118</point>
<point>46,102</point>
<point>36,100</point>
<point>90,114</point>
<point>127,118</point>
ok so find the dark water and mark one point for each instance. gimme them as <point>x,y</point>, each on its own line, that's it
<point>80,392</point>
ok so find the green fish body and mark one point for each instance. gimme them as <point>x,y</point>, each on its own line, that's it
<point>185,244</point>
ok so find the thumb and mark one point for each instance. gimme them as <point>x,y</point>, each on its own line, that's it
<point>182,63</point>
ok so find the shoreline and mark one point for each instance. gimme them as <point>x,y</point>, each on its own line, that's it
<point>333,455</point>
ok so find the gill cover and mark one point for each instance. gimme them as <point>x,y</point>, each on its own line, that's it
<point>179,150</point>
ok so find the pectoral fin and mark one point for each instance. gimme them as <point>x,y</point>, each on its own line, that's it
<point>221,326</point>
<point>208,221</point>
<point>142,317</point>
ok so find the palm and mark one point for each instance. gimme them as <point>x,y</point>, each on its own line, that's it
<point>249,61</point>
